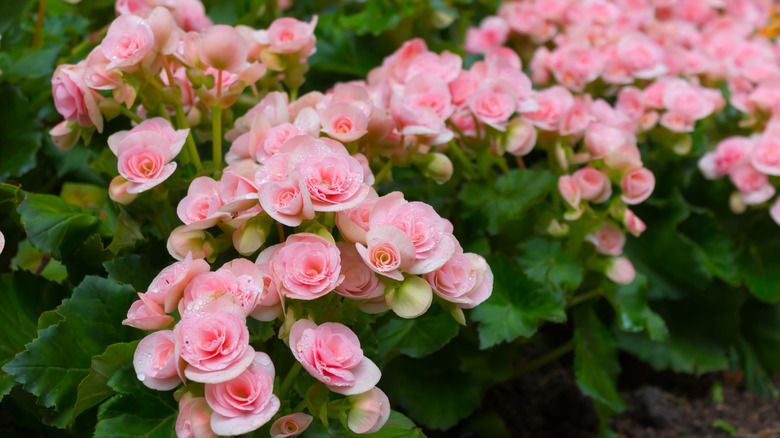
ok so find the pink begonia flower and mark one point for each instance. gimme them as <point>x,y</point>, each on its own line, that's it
<point>465,280</point>
<point>128,41</point>
<point>95,74</point>
<point>288,202</point>
<point>145,152</point>
<point>244,403</point>
<point>774,211</point>
<point>654,94</point>
<point>306,267</point>
<point>765,155</point>
<point>291,425</point>
<point>648,121</point>
<point>464,85</point>
<point>214,345</point>
<point>239,191</point>
<point>491,33</point>
<point>145,314</point>
<point>428,90</point>
<point>631,103</point>
<point>570,191</point>
<point>554,103</point>
<point>577,119</point>
<point>123,7</point>
<point>624,158</point>
<point>422,121</point>
<point>539,65</point>
<point>602,139</point>
<point>520,137</point>
<point>620,270</point>
<point>155,361</point>
<point>200,209</point>
<point>168,286</point>
<point>494,103</point>
<point>389,251</point>
<point>191,15</point>
<point>575,65</point>
<point>609,240</point>
<point>682,98</point>
<point>359,283</point>
<point>331,353</point>
<point>269,305</point>
<point>368,412</point>
<point>166,33</point>
<point>594,185</point>
<point>184,240</point>
<point>353,223</point>
<point>430,233</point>
<point>206,288</point>
<point>344,121</point>
<point>223,48</point>
<point>72,97</point>
<point>642,57</point>
<point>753,184</point>
<point>637,185</point>
<point>632,222</point>
<point>194,420</point>
<point>288,35</point>
<point>446,66</point>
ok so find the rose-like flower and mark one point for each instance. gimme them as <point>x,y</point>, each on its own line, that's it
<point>368,412</point>
<point>765,155</point>
<point>246,402</point>
<point>288,202</point>
<point>208,287</point>
<point>570,191</point>
<point>753,185</point>
<point>359,280</point>
<point>602,139</point>
<point>682,98</point>
<point>637,185</point>
<point>222,47</point>
<point>494,103</point>
<point>594,185</point>
<point>194,420</point>
<point>466,280</point>
<point>128,41</point>
<point>214,345</point>
<point>155,361</point>
<point>288,35</point>
<point>344,121</point>
<point>643,57</point>
<point>72,97</point>
<point>335,181</point>
<point>200,209</point>
<point>554,103</point>
<point>291,425</point>
<point>430,234</point>
<point>306,267</point>
<point>145,314</point>
<point>389,251</point>
<point>331,353</point>
<point>168,286</point>
<point>608,240</point>
<point>145,152</point>
<point>492,32</point>
<point>353,223</point>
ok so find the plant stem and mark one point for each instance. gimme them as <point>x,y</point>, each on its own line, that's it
<point>579,299</point>
<point>284,388</point>
<point>131,115</point>
<point>383,172</point>
<point>280,230</point>
<point>39,24</point>
<point>216,135</point>
<point>544,360</point>
<point>181,121</point>
<point>468,166</point>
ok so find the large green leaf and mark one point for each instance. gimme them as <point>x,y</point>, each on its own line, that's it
<point>505,199</point>
<point>417,337</point>
<point>22,133</point>
<point>595,359</point>
<point>94,388</point>
<point>132,269</point>
<point>56,362</point>
<point>516,307</point>
<point>760,265</point>
<point>545,262</point>
<point>633,312</point>
<point>397,426</point>
<point>137,411</point>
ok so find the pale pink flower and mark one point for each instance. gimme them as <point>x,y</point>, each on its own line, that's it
<point>570,191</point>
<point>494,103</point>
<point>184,240</point>
<point>331,353</point>
<point>288,202</point>
<point>765,155</point>
<point>554,103</point>
<point>632,222</point>
<point>194,420</point>
<point>291,425</point>
<point>214,345</point>
<point>190,15</point>
<point>620,270</point>
<point>168,286</point>
<point>353,223</point>
<point>368,412</point>
<point>207,288</point>
<point>155,361</point>
<point>389,251</point>
<point>753,184</point>
<point>465,280</point>
<point>682,98</point>
<point>223,48</point>
<point>306,267</point>
<point>128,41</point>
<point>602,139</point>
<point>642,57</point>
<point>577,119</point>
<point>200,209</point>
<point>344,121</point>
<point>145,314</point>
<point>594,185</point>
<point>72,97</point>
<point>637,185</point>
<point>491,33</point>
<point>269,305</point>
<point>246,402</point>
<point>288,35</point>
<point>609,240</point>
<point>359,280</point>
<point>631,103</point>
<point>520,137</point>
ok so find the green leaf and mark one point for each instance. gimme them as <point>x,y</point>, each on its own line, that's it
<point>505,199</point>
<point>680,354</point>
<point>127,233</point>
<point>132,269</point>
<point>760,267</point>
<point>378,16</point>
<point>397,426</point>
<point>595,359</point>
<point>10,11</point>
<point>417,337</point>
<point>29,258</point>
<point>633,313</point>
<point>759,345</point>
<point>137,411</point>
<point>716,251</point>
<point>22,133</point>
<point>545,262</point>
<point>426,389</point>
<point>94,388</point>
<point>54,226</point>
<point>516,307</point>
<point>57,361</point>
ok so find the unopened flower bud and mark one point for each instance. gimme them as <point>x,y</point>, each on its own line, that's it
<point>369,411</point>
<point>117,191</point>
<point>412,298</point>
<point>183,240</point>
<point>434,165</point>
<point>222,47</point>
<point>250,236</point>
<point>65,135</point>
<point>620,270</point>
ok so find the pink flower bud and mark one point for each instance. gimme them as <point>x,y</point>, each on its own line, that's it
<point>520,137</point>
<point>620,270</point>
<point>637,185</point>
<point>632,222</point>
<point>466,280</point>
<point>291,425</point>
<point>594,185</point>
<point>145,314</point>
<point>609,240</point>
<point>184,240</point>
<point>774,212</point>
<point>369,411</point>
<point>765,155</point>
<point>117,191</point>
<point>155,361</point>
<point>64,135</point>
<point>570,190</point>
<point>223,48</point>
<point>165,30</point>
<point>194,420</point>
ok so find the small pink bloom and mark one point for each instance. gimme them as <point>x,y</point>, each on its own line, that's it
<point>520,137</point>
<point>624,158</point>
<point>95,74</point>
<point>353,223</point>
<point>594,185</point>
<point>359,280</point>
<point>246,402</point>
<point>620,270</point>
<point>190,15</point>
<point>344,121</point>
<point>389,251</point>
<point>128,41</point>
<point>570,191</point>
<point>335,181</point>
<point>155,361</point>
<point>602,139</point>
<point>632,222</point>
<point>72,97</point>
<point>214,345</point>
<point>206,288</point>
<point>446,66</point>
<point>494,103</point>
<point>369,411</point>
<point>577,119</point>
<point>685,100</point>
<point>306,267</point>
<point>554,103</point>
<point>765,155</point>
<point>609,240</point>
<point>291,425</point>
<point>491,33</point>
<point>753,184</point>
<point>637,185</point>
<point>200,209</point>
<point>466,280</point>
<point>194,420</point>
<point>288,202</point>
<point>269,305</point>
<point>145,314</point>
<point>428,90</point>
<point>168,286</point>
<point>331,353</point>
<point>464,85</point>
<point>223,48</point>
<point>631,103</point>
<point>117,191</point>
<point>641,56</point>
<point>288,35</point>
<point>239,192</point>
